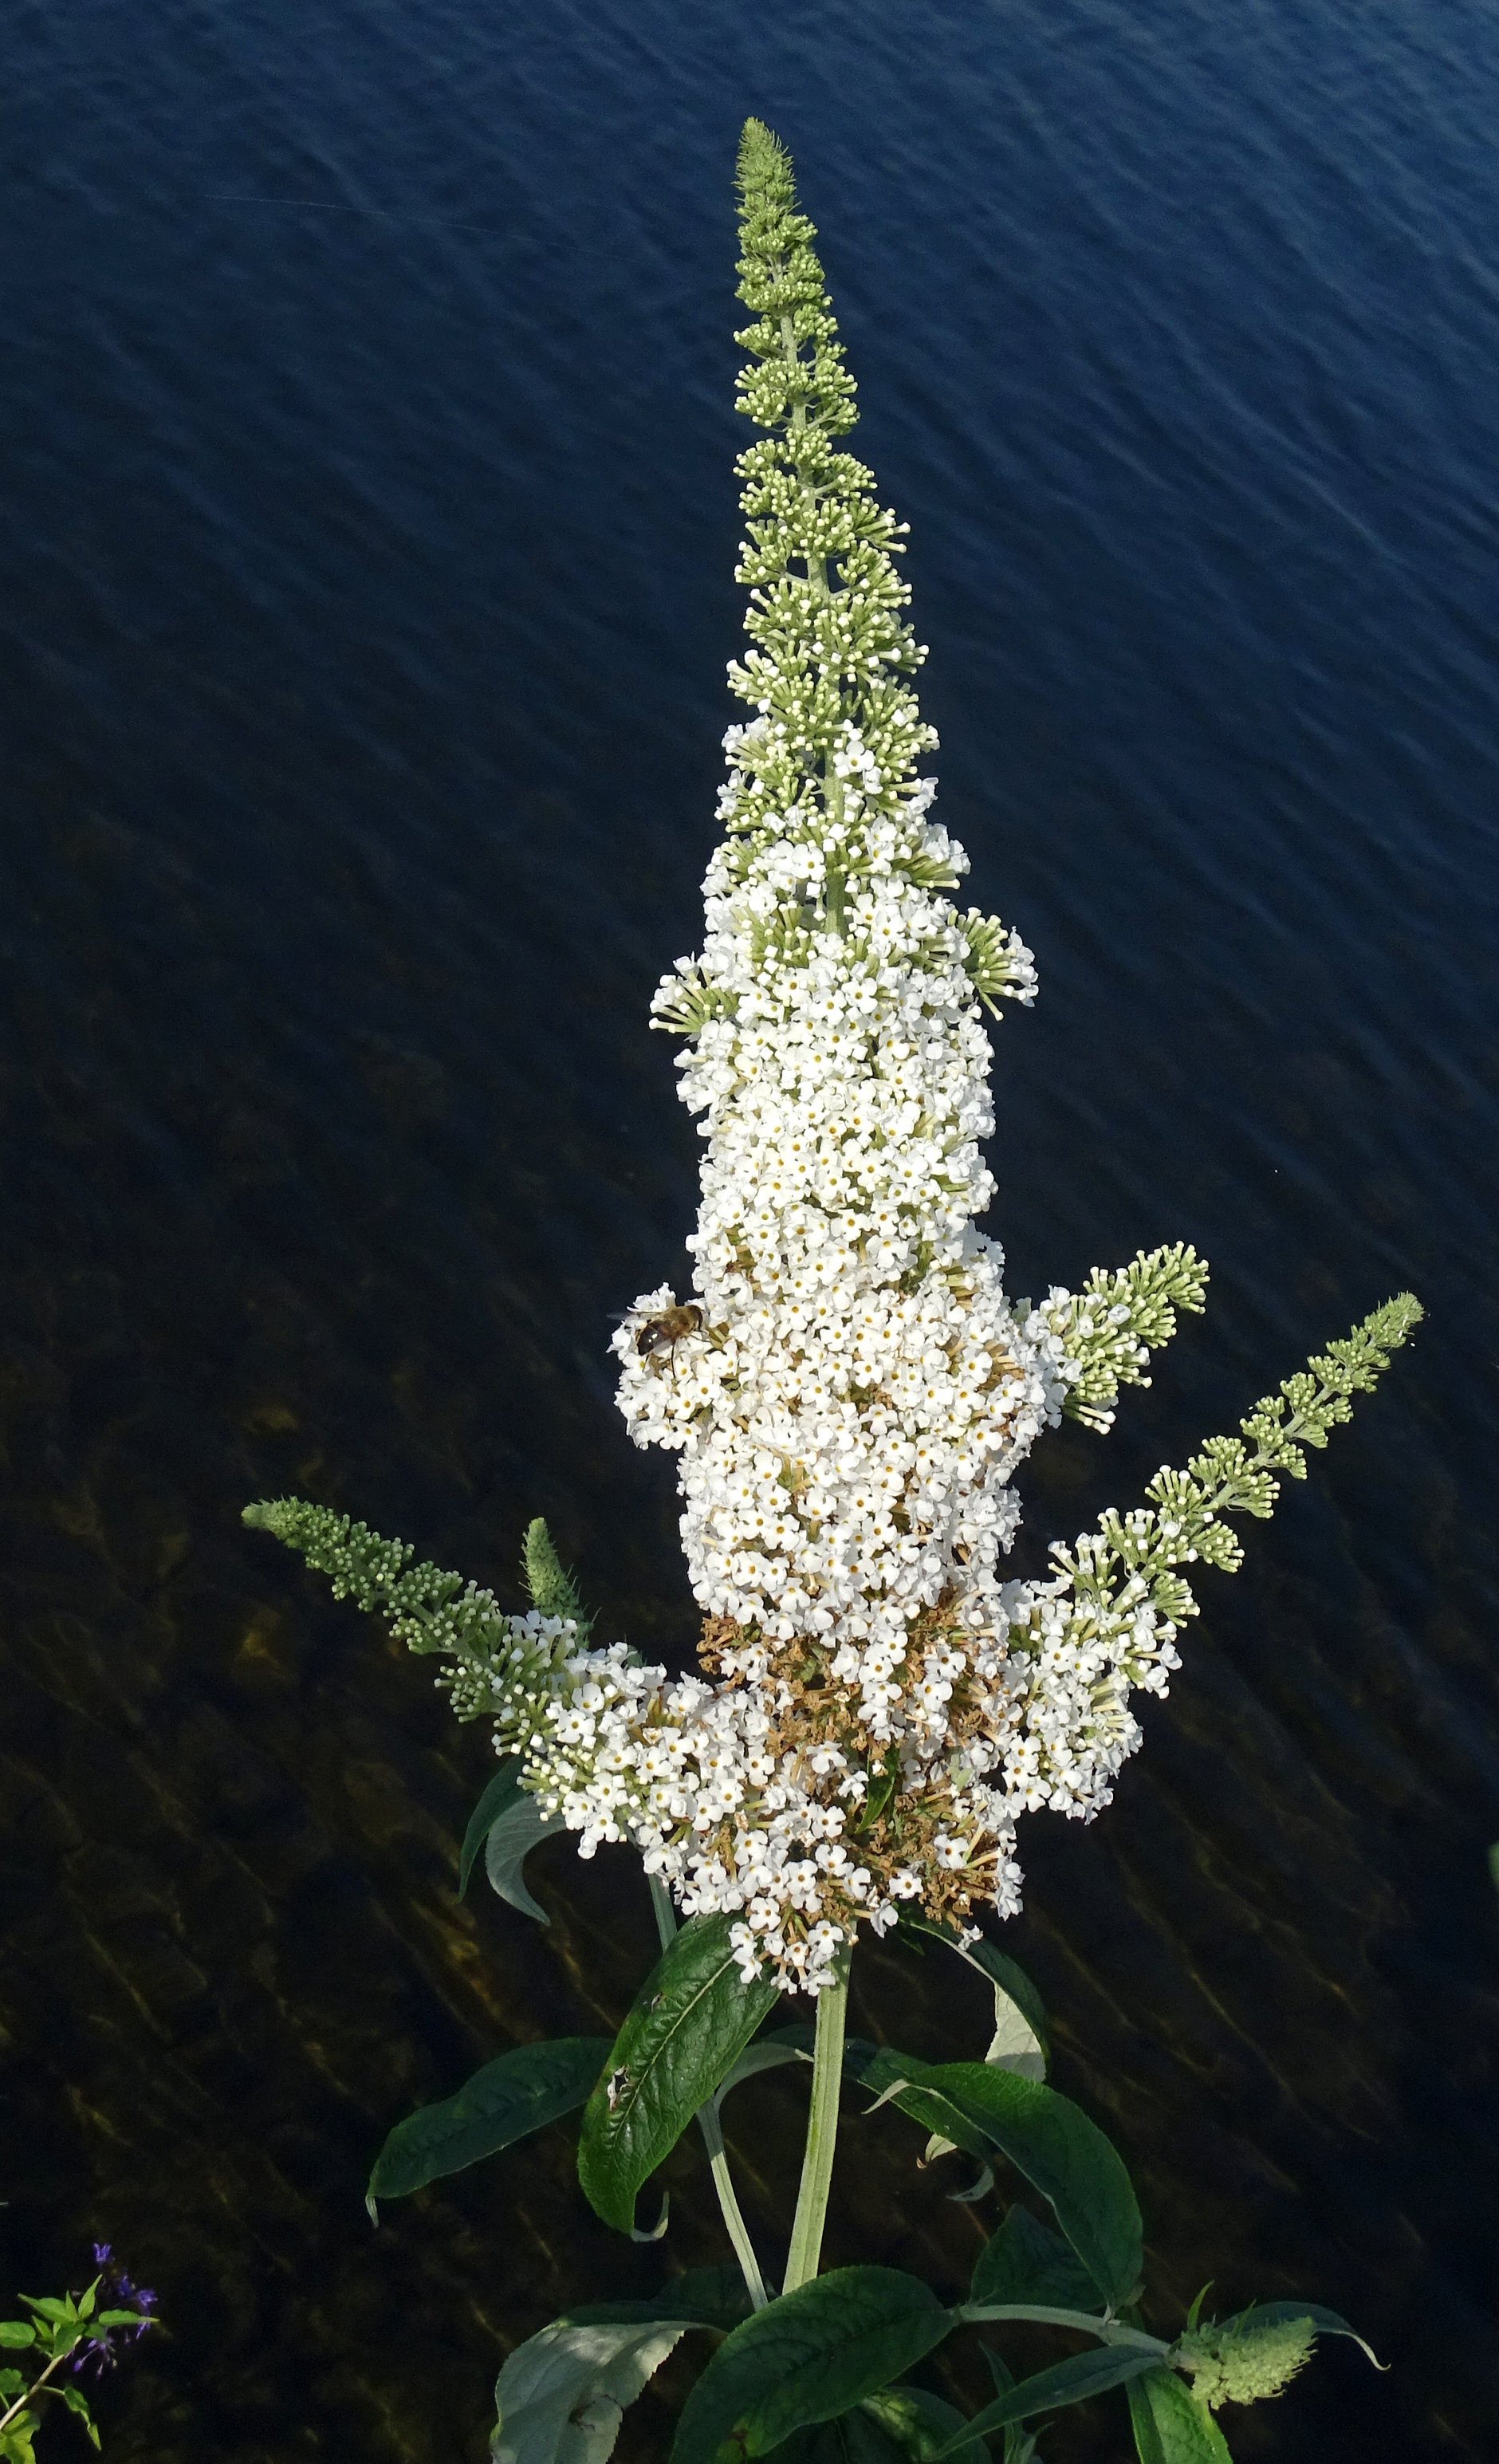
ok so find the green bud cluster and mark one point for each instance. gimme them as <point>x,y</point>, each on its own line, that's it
<point>1133,1558</point>
<point>1122,1315</point>
<point>825,594</point>
<point>830,649</point>
<point>503,1668</point>
<point>1244,2360</point>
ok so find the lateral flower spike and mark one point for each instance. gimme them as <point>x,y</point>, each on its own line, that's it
<point>848,1388</point>
<point>1245,2361</point>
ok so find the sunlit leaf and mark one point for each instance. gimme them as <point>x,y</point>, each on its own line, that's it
<point>923,2426</point>
<point>692,2019</point>
<point>561,2395</point>
<point>1011,1985</point>
<point>899,2079</point>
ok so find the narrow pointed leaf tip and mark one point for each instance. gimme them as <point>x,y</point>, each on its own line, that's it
<point>1070,2382</point>
<point>501,1791</point>
<point>1065,2156</point>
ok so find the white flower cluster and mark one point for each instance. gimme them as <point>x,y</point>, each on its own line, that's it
<point>849,1392</point>
<point>852,1390</point>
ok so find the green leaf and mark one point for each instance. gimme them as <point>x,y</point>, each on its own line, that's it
<point>503,1789</point>
<point>1069,2381</point>
<point>1064,2155</point>
<point>1026,2262</point>
<point>1170,2426</point>
<point>810,2356</point>
<point>17,2332</point>
<point>889,2074</point>
<point>561,2395</point>
<point>1020,2446</point>
<point>504,2102</point>
<point>854,2438</point>
<point>1012,1985</point>
<point>923,2426</point>
<point>894,2077</point>
<point>511,1835</point>
<point>692,2019</point>
<point>77,2402</point>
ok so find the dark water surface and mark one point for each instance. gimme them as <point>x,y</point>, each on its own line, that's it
<point>368,532</point>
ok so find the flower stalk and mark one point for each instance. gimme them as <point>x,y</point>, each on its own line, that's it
<point>821,2128</point>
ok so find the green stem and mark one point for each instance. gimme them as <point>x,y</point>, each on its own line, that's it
<point>822,2130</point>
<point>712,2135</point>
<point>39,2387</point>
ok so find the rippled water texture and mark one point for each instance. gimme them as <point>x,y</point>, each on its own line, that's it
<point>367,533</point>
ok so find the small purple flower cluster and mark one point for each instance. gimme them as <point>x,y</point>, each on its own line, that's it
<point>98,2352</point>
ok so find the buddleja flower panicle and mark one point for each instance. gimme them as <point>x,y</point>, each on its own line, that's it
<point>848,1390</point>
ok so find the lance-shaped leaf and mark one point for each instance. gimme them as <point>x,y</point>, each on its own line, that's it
<point>1020,2445</point>
<point>1064,2155</point>
<point>511,1835</point>
<point>1069,2382</point>
<point>899,2079</point>
<point>504,2102</point>
<point>1170,2426</point>
<point>692,2018</point>
<point>503,1789</point>
<point>561,2395</point>
<point>1021,2038</point>
<point>1026,2264</point>
<point>809,2357</point>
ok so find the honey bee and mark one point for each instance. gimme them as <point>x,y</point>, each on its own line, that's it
<point>658,1337</point>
